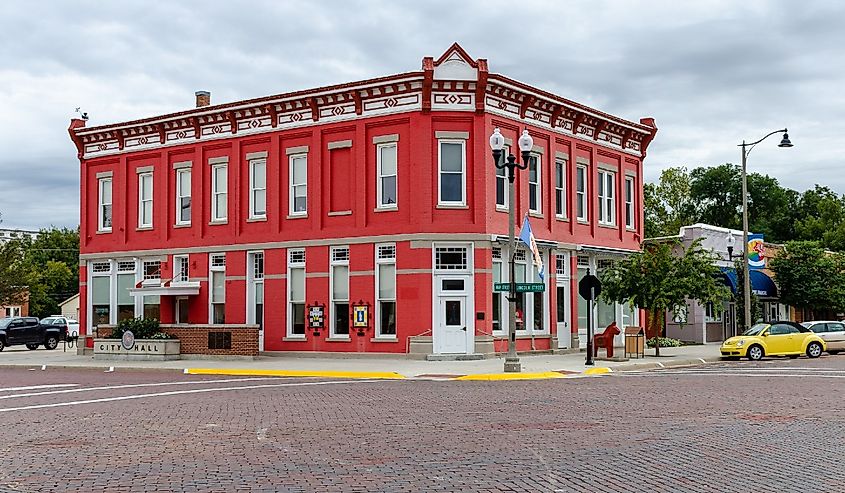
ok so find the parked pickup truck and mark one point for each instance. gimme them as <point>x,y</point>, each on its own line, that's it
<point>30,332</point>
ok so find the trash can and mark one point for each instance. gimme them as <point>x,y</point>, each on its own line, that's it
<point>634,342</point>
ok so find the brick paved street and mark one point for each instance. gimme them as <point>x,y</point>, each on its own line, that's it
<point>773,426</point>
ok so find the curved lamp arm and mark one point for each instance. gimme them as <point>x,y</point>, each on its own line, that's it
<point>751,145</point>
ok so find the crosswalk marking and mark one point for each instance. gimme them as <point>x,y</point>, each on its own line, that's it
<point>37,387</point>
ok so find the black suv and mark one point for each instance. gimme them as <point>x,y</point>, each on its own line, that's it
<point>28,331</point>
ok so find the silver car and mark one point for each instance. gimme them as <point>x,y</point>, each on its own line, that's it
<point>831,331</point>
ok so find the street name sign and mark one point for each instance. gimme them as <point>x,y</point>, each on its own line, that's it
<point>521,287</point>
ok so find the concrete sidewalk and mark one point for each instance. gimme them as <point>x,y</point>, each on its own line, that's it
<point>560,364</point>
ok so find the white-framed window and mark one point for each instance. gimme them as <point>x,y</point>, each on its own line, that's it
<point>629,203</point>
<point>581,193</point>
<point>450,258</point>
<point>560,188</point>
<point>126,279</point>
<point>499,298</point>
<point>340,292</point>
<point>711,314</point>
<point>296,294</point>
<point>219,192</point>
<point>535,184</point>
<point>451,165</point>
<point>258,189</point>
<point>502,181</point>
<point>183,196</point>
<point>255,287</point>
<point>13,311</point>
<point>217,283</point>
<point>104,210</point>
<point>607,197</point>
<point>100,293</point>
<point>145,200</point>
<point>152,270</point>
<point>386,166</point>
<point>386,291</point>
<point>298,164</point>
<point>180,268</point>
<point>561,267</point>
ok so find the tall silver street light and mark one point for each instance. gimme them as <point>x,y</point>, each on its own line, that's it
<point>746,280</point>
<point>497,143</point>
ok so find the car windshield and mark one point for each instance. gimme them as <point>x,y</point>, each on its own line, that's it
<point>807,324</point>
<point>756,330</point>
<point>48,320</point>
<point>4,322</point>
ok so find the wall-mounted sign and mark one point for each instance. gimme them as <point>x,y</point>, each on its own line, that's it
<point>361,316</point>
<point>756,253</point>
<point>316,316</point>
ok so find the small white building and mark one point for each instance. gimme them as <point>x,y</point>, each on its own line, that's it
<point>70,307</point>
<point>7,234</point>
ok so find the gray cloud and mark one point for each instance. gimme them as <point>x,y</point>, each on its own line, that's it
<point>712,73</point>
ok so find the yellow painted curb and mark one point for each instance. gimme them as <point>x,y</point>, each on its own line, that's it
<point>512,376</point>
<point>601,370</point>
<point>294,373</point>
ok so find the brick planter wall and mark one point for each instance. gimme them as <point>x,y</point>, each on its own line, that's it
<point>195,339</point>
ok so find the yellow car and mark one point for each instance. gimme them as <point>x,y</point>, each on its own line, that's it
<point>780,338</point>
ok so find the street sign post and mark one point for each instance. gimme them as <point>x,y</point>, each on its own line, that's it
<point>589,288</point>
<point>521,287</point>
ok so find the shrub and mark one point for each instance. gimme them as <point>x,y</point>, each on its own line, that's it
<point>142,328</point>
<point>664,342</point>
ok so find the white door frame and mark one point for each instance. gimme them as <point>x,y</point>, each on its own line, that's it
<point>438,340</point>
<point>564,337</point>
<point>467,276</point>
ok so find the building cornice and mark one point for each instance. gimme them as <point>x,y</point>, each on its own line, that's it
<point>400,93</point>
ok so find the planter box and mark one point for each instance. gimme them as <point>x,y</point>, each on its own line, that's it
<point>144,350</point>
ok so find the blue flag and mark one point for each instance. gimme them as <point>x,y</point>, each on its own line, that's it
<point>527,236</point>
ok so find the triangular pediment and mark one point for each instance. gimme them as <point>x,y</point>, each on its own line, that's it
<point>456,64</point>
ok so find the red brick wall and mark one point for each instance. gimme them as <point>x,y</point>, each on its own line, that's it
<point>194,338</point>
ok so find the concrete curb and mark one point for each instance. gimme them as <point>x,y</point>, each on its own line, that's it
<point>510,376</point>
<point>369,375</point>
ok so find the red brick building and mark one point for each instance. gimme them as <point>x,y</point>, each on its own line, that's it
<point>379,193</point>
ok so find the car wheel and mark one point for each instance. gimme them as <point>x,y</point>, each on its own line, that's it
<point>52,342</point>
<point>2,344</point>
<point>833,352</point>
<point>32,347</point>
<point>755,353</point>
<point>814,350</point>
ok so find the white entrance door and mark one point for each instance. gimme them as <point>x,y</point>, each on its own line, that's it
<point>562,308</point>
<point>451,336</point>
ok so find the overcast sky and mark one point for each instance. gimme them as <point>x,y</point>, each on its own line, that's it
<point>711,73</point>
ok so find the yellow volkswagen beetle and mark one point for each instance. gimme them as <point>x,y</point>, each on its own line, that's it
<point>782,338</point>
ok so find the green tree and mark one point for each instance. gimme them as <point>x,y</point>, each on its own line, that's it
<point>52,265</point>
<point>15,276</point>
<point>668,204</point>
<point>664,275</point>
<point>810,278</point>
<point>821,217</point>
<point>717,193</point>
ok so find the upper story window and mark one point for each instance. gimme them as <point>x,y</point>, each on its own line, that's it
<point>452,172</point>
<point>104,210</point>
<point>258,189</point>
<point>502,181</point>
<point>560,188</point>
<point>581,193</point>
<point>535,185</point>
<point>219,192</point>
<point>629,203</point>
<point>183,196</point>
<point>387,175</point>
<point>145,200</point>
<point>298,184</point>
<point>152,269</point>
<point>450,258</point>
<point>607,198</point>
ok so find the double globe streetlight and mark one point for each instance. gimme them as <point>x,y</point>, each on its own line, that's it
<point>746,288</point>
<point>526,144</point>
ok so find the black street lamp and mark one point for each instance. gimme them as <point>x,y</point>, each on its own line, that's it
<point>497,143</point>
<point>746,284</point>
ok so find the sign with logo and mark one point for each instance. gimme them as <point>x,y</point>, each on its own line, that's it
<point>756,252</point>
<point>128,340</point>
<point>361,316</point>
<point>316,317</point>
